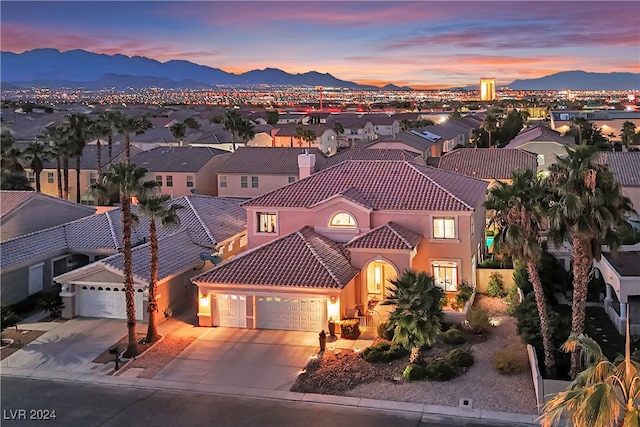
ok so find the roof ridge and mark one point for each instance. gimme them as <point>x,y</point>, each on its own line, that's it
<point>440,186</point>
<point>201,221</point>
<point>400,236</point>
<point>112,229</point>
<point>316,255</point>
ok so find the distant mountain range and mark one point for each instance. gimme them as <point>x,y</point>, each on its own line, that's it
<point>79,68</point>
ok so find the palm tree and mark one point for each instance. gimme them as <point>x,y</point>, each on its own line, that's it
<point>231,122</point>
<point>306,135</point>
<point>627,133</point>
<point>79,134</point>
<point>110,120</point>
<point>604,394</point>
<point>36,154</point>
<point>339,130</point>
<point>272,117</point>
<point>155,209</point>
<point>14,181</point>
<point>129,181</point>
<point>587,206</point>
<point>580,124</point>
<point>11,156</point>
<point>246,131</point>
<point>178,130</point>
<point>126,126</point>
<point>490,125</point>
<point>519,215</point>
<point>417,315</point>
<point>56,135</point>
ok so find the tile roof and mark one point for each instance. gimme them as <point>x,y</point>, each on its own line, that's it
<point>540,133</point>
<point>290,129</point>
<point>487,163</point>
<point>625,263</point>
<point>269,160</point>
<point>387,236</point>
<point>175,159</point>
<point>624,165</point>
<point>385,185</point>
<point>419,143</point>
<point>12,200</point>
<point>303,258</point>
<point>370,154</point>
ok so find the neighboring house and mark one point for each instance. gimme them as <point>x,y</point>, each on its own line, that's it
<point>325,247</point>
<point>326,138</point>
<point>23,212</point>
<point>181,171</point>
<point>626,169</point>
<point>356,129</point>
<point>544,142</point>
<point>373,154</point>
<point>30,263</point>
<point>408,141</point>
<point>608,121</point>
<point>253,171</point>
<point>384,125</point>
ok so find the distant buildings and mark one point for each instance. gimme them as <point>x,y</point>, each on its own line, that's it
<point>487,88</point>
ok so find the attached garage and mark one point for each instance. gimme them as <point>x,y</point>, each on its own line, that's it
<point>109,302</point>
<point>231,310</point>
<point>291,313</point>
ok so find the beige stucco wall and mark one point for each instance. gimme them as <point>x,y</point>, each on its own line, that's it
<point>548,149</point>
<point>634,194</point>
<point>261,139</point>
<point>266,183</point>
<point>482,278</point>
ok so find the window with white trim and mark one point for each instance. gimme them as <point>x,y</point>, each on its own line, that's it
<point>342,220</point>
<point>444,228</point>
<point>50,178</point>
<point>266,222</point>
<point>169,180</point>
<point>254,182</point>
<point>223,181</point>
<point>244,183</point>
<point>445,274</point>
<point>190,181</point>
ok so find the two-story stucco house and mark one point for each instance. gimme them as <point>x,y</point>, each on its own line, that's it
<point>326,139</point>
<point>325,247</point>
<point>547,144</point>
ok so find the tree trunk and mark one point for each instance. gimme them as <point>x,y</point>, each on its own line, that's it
<point>545,327</point>
<point>65,176</point>
<point>152,333</point>
<point>110,148</point>
<point>582,260</point>
<point>132,348</point>
<point>127,148</point>
<point>416,355</point>
<point>59,175</point>
<point>78,179</point>
<point>233,141</point>
<point>37,174</point>
<point>98,156</point>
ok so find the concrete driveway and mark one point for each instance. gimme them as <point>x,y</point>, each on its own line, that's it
<point>68,347</point>
<point>243,358</point>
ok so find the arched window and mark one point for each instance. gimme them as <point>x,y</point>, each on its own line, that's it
<point>343,220</point>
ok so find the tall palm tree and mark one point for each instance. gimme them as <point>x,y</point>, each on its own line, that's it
<point>155,208</point>
<point>36,154</point>
<point>580,124</point>
<point>416,318</point>
<point>627,132</point>
<point>79,134</point>
<point>126,126</point>
<point>246,130</point>
<point>587,207</point>
<point>520,215</point>
<point>231,122</point>
<point>178,130</point>
<point>110,120</point>
<point>490,125</point>
<point>129,181</point>
<point>339,130</point>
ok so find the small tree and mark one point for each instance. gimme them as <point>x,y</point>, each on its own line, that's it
<point>7,317</point>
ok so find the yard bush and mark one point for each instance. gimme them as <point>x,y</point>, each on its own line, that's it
<point>510,361</point>
<point>512,300</point>
<point>465,290</point>
<point>7,317</point>
<point>454,337</point>
<point>459,358</point>
<point>440,370</point>
<point>350,329</point>
<point>384,332</point>
<point>383,352</point>
<point>51,303</point>
<point>528,323</point>
<point>495,288</point>
<point>478,320</point>
<point>413,372</point>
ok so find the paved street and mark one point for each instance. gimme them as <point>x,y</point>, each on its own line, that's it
<point>89,405</point>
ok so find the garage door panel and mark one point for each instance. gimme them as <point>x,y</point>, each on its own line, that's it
<point>232,310</point>
<point>109,303</point>
<point>294,313</point>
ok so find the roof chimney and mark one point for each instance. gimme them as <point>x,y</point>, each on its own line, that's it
<point>306,164</point>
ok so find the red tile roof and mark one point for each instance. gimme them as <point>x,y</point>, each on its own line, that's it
<point>624,165</point>
<point>370,154</point>
<point>384,185</point>
<point>303,259</point>
<point>268,160</point>
<point>487,163</point>
<point>540,133</point>
<point>387,236</point>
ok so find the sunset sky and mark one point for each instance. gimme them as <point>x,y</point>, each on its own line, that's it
<point>425,44</point>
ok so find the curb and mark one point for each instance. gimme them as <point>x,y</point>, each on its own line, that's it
<point>430,413</point>
<point>126,364</point>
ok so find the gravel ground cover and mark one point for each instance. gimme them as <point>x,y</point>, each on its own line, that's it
<point>153,361</point>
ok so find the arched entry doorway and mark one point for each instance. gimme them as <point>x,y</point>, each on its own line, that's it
<point>378,275</point>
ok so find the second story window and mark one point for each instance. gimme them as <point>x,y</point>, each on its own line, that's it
<point>244,182</point>
<point>266,222</point>
<point>49,177</point>
<point>92,178</point>
<point>159,180</point>
<point>190,181</point>
<point>223,181</point>
<point>444,228</point>
<point>254,182</point>
<point>292,179</point>
<point>342,220</point>
<point>31,177</point>
<point>169,181</point>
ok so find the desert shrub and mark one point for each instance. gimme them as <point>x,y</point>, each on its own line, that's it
<point>490,263</point>
<point>509,361</point>
<point>459,358</point>
<point>478,320</point>
<point>495,287</point>
<point>51,303</point>
<point>413,372</point>
<point>26,305</point>
<point>384,332</point>
<point>440,370</point>
<point>528,323</point>
<point>521,278</point>
<point>350,329</point>
<point>7,317</point>
<point>454,337</point>
<point>397,351</point>
<point>383,352</point>
<point>465,290</point>
<point>512,300</point>
<point>444,301</point>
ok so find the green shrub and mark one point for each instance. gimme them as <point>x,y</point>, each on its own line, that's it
<point>413,372</point>
<point>512,300</point>
<point>459,358</point>
<point>7,317</point>
<point>383,352</point>
<point>397,352</point>
<point>490,263</point>
<point>478,320</point>
<point>454,337</point>
<point>528,323</point>
<point>509,361</point>
<point>465,290</point>
<point>444,301</point>
<point>440,370</point>
<point>51,303</point>
<point>495,288</point>
<point>350,329</point>
<point>26,305</point>
<point>384,332</point>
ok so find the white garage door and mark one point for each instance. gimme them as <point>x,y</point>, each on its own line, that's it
<point>231,310</point>
<point>292,313</point>
<point>109,302</point>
